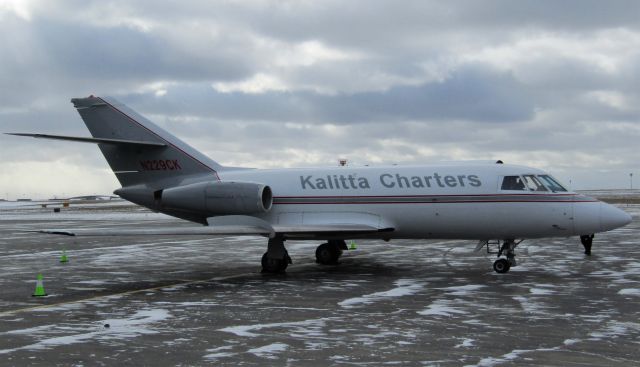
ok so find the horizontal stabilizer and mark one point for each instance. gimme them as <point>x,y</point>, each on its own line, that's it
<point>93,140</point>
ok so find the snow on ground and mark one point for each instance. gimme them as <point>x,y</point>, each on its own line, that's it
<point>200,301</point>
<point>404,287</point>
<point>630,292</point>
<point>268,350</point>
<point>140,323</point>
<point>441,308</point>
<point>250,331</point>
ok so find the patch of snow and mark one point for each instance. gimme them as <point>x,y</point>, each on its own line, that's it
<point>248,330</point>
<point>541,291</point>
<point>466,343</point>
<point>188,303</point>
<point>440,308</point>
<point>226,347</point>
<point>463,290</point>
<point>615,329</point>
<point>215,353</point>
<point>131,327</point>
<point>267,351</point>
<point>530,306</point>
<point>404,287</point>
<point>514,354</point>
<point>571,341</point>
<point>219,355</point>
<point>629,292</point>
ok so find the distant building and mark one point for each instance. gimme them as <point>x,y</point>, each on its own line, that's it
<point>87,198</point>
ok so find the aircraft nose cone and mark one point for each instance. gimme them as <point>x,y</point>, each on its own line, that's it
<point>612,217</point>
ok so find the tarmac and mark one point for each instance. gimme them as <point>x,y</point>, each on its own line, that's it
<point>199,301</point>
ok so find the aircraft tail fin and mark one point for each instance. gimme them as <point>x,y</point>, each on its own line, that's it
<point>138,151</point>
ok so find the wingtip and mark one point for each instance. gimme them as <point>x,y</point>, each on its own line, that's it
<point>24,134</point>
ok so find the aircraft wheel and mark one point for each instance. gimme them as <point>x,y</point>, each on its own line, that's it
<point>327,254</point>
<point>270,265</point>
<point>501,266</point>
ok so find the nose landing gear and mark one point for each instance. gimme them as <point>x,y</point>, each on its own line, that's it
<point>508,247</point>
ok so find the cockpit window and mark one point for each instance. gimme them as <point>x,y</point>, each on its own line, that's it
<point>533,183</point>
<point>551,183</point>
<point>513,183</point>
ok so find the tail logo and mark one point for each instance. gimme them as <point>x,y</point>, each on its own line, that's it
<point>160,165</point>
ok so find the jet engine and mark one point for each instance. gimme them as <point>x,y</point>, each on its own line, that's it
<point>219,198</point>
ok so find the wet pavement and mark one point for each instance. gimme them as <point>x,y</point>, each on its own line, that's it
<point>203,301</point>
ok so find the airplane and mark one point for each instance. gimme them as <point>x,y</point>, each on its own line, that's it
<point>497,204</point>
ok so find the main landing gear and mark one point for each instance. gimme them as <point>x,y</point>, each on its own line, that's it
<point>276,259</point>
<point>587,240</point>
<point>329,253</point>
<point>508,247</point>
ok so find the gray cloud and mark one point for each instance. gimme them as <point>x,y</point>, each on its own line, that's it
<point>259,83</point>
<point>474,94</point>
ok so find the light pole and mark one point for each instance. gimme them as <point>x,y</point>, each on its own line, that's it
<point>631,181</point>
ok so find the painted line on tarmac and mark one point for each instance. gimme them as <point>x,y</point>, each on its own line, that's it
<point>296,266</point>
<point>126,293</point>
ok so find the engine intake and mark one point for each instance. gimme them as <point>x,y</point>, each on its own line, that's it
<point>219,198</point>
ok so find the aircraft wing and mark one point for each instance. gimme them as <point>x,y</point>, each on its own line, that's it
<point>233,225</point>
<point>177,231</point>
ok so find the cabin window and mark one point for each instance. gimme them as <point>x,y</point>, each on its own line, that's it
<point>514,183</point>
<point>551,183</point>
<point>533,183</point>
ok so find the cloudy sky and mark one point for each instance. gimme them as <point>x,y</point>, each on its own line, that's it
<point>551,84</point>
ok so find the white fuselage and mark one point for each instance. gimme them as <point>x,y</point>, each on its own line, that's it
<point>462,201</point>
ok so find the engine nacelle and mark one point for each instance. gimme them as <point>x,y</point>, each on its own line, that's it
<point>219,198</point>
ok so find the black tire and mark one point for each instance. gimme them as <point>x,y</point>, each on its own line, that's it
<point>327,254</point>
<point>501,266</point>
<point>270,265</point>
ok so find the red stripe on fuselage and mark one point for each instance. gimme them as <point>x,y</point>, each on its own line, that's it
<point>433,199</point>
<point>432,202</point>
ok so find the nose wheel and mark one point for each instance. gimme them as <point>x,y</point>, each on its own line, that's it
<point>501,266</point>
<point>508,247</point>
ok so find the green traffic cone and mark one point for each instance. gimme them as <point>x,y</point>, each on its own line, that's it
<point>353,245</point>
<point>64,258</point>
<point>39,292</point>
